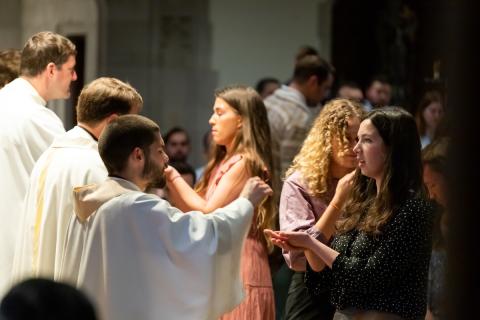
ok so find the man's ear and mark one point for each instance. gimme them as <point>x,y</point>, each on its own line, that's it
<point>137,154</point>
<point>111,117</point>
<point>50,68</point>
<point>313,81</point>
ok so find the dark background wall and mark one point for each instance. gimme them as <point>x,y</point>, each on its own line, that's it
<point>401,39</point>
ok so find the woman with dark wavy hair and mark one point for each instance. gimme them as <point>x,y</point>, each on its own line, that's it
<point>377,264</point>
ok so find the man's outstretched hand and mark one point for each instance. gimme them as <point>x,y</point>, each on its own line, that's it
<point>255,190</point>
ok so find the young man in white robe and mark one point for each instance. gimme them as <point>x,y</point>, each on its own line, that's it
<point>27,127</point>
<point>143,258</point>
<point>71,161</point>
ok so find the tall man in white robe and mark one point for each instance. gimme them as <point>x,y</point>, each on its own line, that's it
<point>145,259</point>
<point>72,160</point>
<point>27,127</point>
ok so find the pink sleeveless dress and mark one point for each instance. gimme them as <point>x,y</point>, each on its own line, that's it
<point>259,300</point>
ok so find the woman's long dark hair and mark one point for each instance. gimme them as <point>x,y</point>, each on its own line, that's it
<point>402,177</point>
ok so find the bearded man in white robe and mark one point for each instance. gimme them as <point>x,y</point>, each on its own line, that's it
<point>72,160</point>
<point>143,258</point>
<point>27,127</point>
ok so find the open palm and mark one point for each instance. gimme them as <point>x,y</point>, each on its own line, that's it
<point>289,240</point>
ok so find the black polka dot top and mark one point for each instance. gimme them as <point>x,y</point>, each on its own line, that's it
<point>386,273</point>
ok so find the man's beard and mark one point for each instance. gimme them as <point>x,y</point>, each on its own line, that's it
<point>178,157</point>
<point>156,177</point>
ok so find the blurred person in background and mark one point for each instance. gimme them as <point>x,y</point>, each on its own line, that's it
<point>429,116</point>
<point>267,86</point>
<point>9,65</point>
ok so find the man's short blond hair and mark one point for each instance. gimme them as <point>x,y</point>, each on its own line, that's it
<point>105,96</point>
<point>43,48</point>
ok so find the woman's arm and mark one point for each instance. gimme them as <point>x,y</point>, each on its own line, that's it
<point>228,189</point>
<point>296,213</point>
<point>317,253</point>
<point>326,224</point>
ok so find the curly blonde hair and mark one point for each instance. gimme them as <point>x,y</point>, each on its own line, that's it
<point>316,151</point>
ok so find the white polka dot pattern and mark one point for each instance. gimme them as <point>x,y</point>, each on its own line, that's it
<point>385,273</point>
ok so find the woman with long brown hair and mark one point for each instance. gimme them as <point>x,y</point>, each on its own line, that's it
<point>377,265</point>
<point>241,149</point>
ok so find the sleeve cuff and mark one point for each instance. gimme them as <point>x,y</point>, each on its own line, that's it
<point>244,202</point>
<point>317,235</point>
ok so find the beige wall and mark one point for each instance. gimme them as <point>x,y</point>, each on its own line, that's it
<point>256,38</point>
<point>177,52</point>
<point>10,24</point>
<point>65,17</point>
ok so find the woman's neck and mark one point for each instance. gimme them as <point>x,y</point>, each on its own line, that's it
<point>378,183</point>
<point>430,132</point>
<point>229,150</point>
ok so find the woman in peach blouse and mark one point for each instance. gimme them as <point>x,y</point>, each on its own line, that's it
<point>241,149</point>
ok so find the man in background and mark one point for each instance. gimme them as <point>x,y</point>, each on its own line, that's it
<point>9,66</point>
<point>378,93</point>
<point>27,127</point>
<point>177,144</point>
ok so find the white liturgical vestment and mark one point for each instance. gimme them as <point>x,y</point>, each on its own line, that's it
<point>144,259</point>
<point>27,128</point>
<point>71,161</point>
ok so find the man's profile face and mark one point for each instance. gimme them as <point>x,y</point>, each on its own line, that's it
<point>178,147</point>
<point>317,91</point>
<point>351,93</point>
<point>386,94</point>
<point>62,79</point>
<point>379,94</point>
<point>374,92</point>
<point>155,164</point>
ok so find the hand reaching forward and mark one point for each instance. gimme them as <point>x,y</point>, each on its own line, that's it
<point>289,240</point>
<point>343,189</point>
<point>171,173</point>
<point>255,190</point>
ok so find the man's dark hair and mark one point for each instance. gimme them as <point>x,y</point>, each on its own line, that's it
<point>105,96</point>
<point>312,66</point>
<point>173,131</point>
<point>378,78</point>
<point>122,136</point>
<point>44,299</point>
<point>262,83</point>
<point>350,84</point>
<point>304,51</point>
